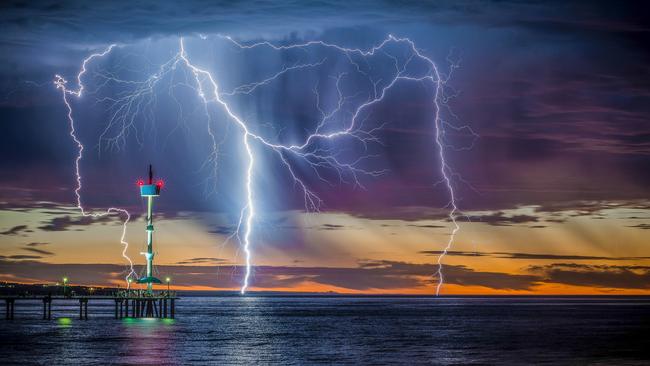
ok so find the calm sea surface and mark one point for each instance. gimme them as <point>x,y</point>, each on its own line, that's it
<point>317,330</point>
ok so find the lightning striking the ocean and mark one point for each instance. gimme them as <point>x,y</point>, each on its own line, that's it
<point>125,106</point>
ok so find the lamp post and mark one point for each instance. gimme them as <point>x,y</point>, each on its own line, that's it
<point>168,280</point>
<point>65,284</point>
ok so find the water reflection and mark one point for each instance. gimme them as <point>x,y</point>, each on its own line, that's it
<point>250,330</point>
<point>64,322</point>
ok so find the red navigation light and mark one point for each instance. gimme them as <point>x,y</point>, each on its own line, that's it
<point>160,183</point>
<point>140,182</point>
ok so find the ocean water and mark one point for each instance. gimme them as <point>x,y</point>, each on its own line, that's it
<point>341,331</point>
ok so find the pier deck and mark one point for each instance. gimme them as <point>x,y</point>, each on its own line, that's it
<point>127,305</point>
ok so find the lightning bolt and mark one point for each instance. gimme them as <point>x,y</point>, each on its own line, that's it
<point>126,105</point>
<point>445,171</point>
<point>60,84</point>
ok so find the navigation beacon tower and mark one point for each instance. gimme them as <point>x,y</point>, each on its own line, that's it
<point>149,190</point>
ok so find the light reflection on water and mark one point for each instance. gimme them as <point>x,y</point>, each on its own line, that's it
<point>309,330</point>
<point>64,322</point>
<point>147,322</point>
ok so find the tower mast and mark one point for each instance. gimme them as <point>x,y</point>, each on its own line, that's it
<point>150,190</point>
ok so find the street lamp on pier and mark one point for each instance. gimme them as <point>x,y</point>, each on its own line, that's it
<point>65,285</point>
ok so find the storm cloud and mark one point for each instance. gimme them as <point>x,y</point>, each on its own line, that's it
<point>382,275</point>
<point>555,95</point>
<point>524,117</point>
<point>14,230</point>
<point>529,256</point>
<point>605,276</point>
<point>65,223</point>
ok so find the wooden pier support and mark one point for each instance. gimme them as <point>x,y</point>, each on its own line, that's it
<point>118,308</point>
<point>83,308</point>
<point>47,308</point>
<point>149,308</point>
<point>161,307</point>
<point>9,303</point>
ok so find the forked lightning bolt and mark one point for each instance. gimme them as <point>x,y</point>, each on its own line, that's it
<point>61,83</point>
<point>307,151</point>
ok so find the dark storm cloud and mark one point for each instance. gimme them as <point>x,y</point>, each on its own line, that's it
<point>559,125</point>
<point>605,276</point>
<point>550,211</point>
<point>497,218</point>
<point>565,257</point>
<point>641,226</point>
<point>388,275</point>
<point>404,213</point>
<point>501,219</point>
<point>588,208</point>
<point>534,256</point>
<point>203,260</point>
<point>223,230</point>
<point>30,202</point>
<point>29,268</point>
<point>551,87</point>
<point>39,251</point>
<point>147,18</point>
<point>67,30</point>
<point>455,253</point>
<point>384,275</point>
<point>14,230</point>
<point>427,226</point>
<point>64,223</point>
<point>19,257</point>
<point>331,227</point>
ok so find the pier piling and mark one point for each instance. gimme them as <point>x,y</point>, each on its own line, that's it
<point>83,308</point>
<point>47,307</point>
<point>9,303</point>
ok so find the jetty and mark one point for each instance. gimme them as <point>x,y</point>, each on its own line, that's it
<point>128,304</point>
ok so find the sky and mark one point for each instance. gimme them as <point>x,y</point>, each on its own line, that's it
<point>546,135</point>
